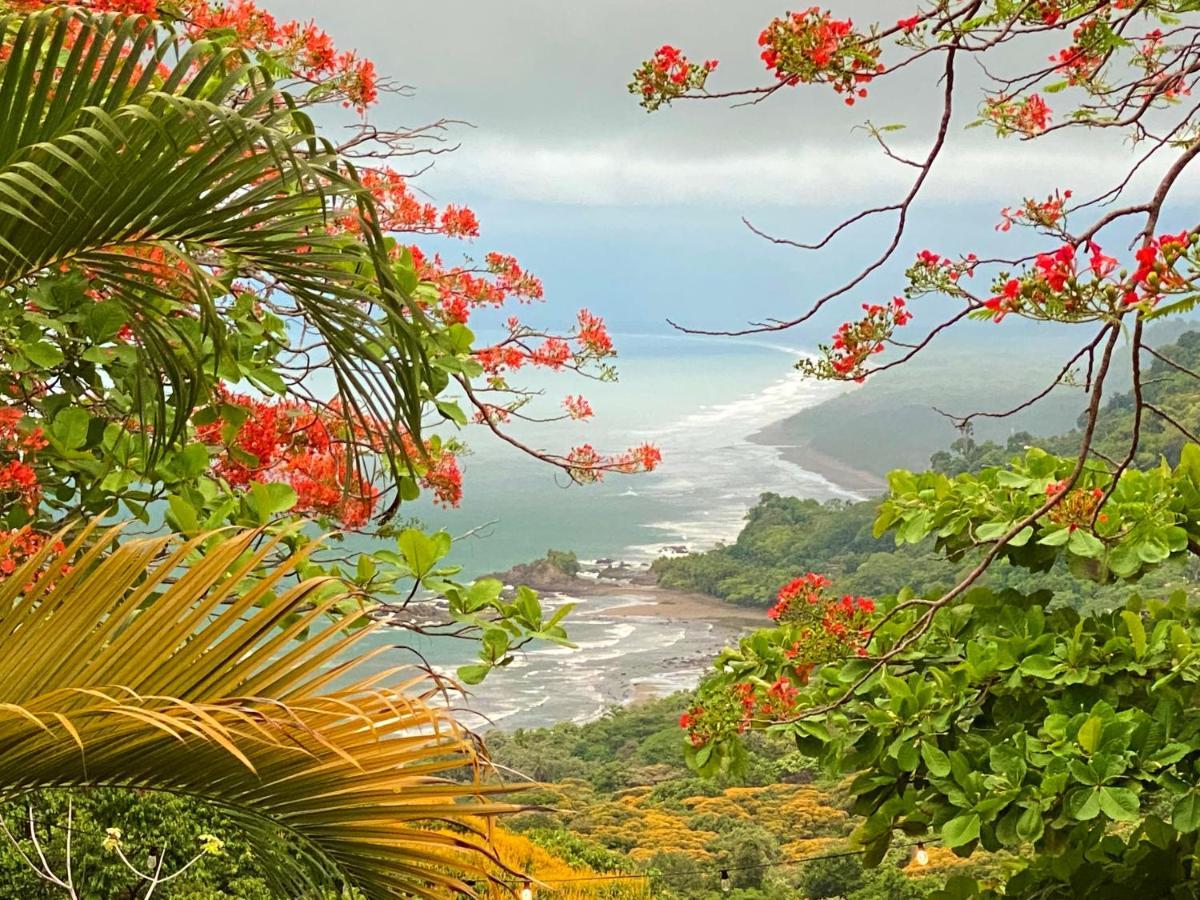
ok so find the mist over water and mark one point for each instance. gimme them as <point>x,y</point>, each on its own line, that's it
<point>699,401</point>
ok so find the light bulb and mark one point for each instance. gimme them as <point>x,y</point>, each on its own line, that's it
<point>526,892</point>
<point>726,885</point>
<point>921,856</point>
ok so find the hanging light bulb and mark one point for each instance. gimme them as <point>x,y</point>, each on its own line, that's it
<point>526,891</point>
<point>152,861</point>
<point>726,884</point>
<point>921,857</point>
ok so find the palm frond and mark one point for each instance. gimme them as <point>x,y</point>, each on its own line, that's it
<point>153,162</point>
<point>154,667</point>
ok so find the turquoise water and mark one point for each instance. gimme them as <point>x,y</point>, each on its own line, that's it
<point>699,400</point>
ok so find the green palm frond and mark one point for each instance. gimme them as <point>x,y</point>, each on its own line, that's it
<point>155,164</point>
<point>152,667</point>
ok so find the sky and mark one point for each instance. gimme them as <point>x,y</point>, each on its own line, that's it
<point>639,216</point>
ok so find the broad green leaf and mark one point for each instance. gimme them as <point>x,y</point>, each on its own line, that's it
<point>70,428</point>
<point>1137,632</point>
<point>1119,803</point>
<point>473,674</point>
<point>961,830</point>
<point>1083,804</point>
<point>419,551</point>
<point>936,761</point>
<point>1089,734</point>
<point>1084,543</point>
<point>1185,817</point>
<point>43,354</point>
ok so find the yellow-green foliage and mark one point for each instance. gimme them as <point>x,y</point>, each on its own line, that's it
<point>550,876</point>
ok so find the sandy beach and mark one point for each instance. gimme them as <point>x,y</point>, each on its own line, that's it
<point>662,603</point>
<point>829,467</point>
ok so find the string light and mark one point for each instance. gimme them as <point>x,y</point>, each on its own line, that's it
<point>726,884</point>
<point>526,891</point>
<point>921,856</point>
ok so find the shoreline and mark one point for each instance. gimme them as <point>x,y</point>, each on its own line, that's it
<point>654,602</point>
<point>835,471</point>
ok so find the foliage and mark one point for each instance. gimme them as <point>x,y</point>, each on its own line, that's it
<point>574,881</point>
<point>1005,724</point>
<point>151,823</point>
<point>783,536</point>
<point>564,560</point>
<point>213,315</point>
<point>162,677</point>
<point>990,716</point>
<point>681,830</point>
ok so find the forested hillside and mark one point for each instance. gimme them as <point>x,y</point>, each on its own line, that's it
<point>784,536</point>
<point>618,790</point>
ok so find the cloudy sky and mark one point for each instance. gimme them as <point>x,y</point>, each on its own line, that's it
<point>639,216</point>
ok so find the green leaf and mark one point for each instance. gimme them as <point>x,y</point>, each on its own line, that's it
<point>191,461</point>
<point>43,354</point>
<point>70,428</point>
<point>1030,825</point>
<point>1085,544</point>
<point>104,320</point>
<point>1089,734</point>
<point>961,830</point>
<point>1045,667</point>
<point>473,674</point>
<point>1119,803</point>
<point>937,762</point>
<point>1055,538</point>
<point>1083,804</point>
<point>483,592</point>
<point>1137,632</point>
<point>1185,817</point>
<point>420,552</point>
<point>183,513</point>
<point>269,500</point>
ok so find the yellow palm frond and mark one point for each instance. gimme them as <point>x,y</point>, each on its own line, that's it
<point>151,666</point>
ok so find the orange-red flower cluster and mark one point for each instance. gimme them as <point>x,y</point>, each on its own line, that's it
<point>668,74</point>
<point>1082,60</point>
<point>1028,116</point>
<point>812,46</point>
<point>586,464</point>
<point>305,49</point>
<point>399,210</point>
<point>1046,213</point>
<point>309,448</point>
<point>1078,508</point>
<point>856,342</point>
<point>591,339</point>
<point>829,628</point>
<point>1156,273</point>
<point>19,482</point>
<point>1054,286</point>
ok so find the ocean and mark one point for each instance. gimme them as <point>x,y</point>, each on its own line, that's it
<point>699,400</point>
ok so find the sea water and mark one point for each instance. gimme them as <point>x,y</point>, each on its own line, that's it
<point>699,400</point>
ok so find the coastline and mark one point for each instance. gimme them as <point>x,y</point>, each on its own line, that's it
<point>801,453</point>
<point>653,602</point>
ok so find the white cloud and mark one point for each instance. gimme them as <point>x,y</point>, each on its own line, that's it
<point>621,174</point>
